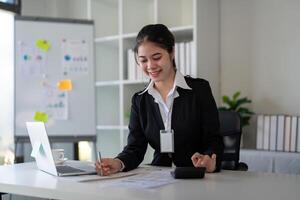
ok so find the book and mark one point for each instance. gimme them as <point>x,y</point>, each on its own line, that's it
<point>193,60</point>
<point>298,135</point>
<point>188,58</point>
<point>177,55</point>
<point>131,65</point>
<point>266,140</point>
<point>293,133</point>
<point>280,132</point>
<point>287,133</point>
<point>182,58</point>
<point>273,132</point>
<point>259,132</point>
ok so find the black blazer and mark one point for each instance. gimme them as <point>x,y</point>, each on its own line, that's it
<point>195,122</point>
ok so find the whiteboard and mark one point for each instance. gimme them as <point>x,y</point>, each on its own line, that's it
<point>67,54</point>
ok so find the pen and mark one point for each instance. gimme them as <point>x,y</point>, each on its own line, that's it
<point>99,159</point>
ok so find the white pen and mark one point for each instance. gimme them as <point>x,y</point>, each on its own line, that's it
<point>99,159</point>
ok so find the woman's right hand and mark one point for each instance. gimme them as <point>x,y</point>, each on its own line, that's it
<point>108,166</point>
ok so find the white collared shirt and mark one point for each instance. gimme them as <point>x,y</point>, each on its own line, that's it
<point>166,107</point>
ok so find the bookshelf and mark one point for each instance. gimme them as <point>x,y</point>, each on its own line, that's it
<point>116,25</point>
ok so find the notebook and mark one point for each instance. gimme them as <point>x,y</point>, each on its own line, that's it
<point>42,153</point>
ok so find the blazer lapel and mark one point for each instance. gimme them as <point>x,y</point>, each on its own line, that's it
<point>178,105</point>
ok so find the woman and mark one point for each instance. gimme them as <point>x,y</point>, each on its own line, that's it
<point>176,115</point>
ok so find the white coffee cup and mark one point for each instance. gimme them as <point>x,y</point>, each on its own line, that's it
<point>58,155</point>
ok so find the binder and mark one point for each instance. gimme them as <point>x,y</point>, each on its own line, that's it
<point>298,135</point>
<point>280,133</point>
<point>287,133</point>
<point>293,134</point>
<point>266,140</point>
<point>273,132</point>
<point>260,131</point>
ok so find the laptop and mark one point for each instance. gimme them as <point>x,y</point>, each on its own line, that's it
<point>42,153</point>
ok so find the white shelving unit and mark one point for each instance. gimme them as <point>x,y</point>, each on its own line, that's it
<point>117,23</point>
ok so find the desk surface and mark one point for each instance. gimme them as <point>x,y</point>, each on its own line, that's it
<point>25,179</point>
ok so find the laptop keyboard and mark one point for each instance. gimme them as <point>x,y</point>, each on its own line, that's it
<point>67,169</point>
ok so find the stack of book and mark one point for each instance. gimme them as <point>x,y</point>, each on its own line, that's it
<point>184,59</point>
<point>135,73</point>
<point>278,133</point>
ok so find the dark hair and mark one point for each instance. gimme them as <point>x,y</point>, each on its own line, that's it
<point>158,34</point>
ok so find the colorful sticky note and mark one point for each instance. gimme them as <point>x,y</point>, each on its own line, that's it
<point>64,85</point>
<point>41,117</point>
<point>43,44</point>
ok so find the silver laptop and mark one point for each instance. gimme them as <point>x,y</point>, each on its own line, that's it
<point>42,153</point>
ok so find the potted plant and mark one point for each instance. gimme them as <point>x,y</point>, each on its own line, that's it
<point>236,103</point>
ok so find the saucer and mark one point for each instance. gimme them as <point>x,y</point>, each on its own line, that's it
<point>59,162</point>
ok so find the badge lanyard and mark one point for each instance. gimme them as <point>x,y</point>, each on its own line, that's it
<point>167,135</point>
<point>168,120</point>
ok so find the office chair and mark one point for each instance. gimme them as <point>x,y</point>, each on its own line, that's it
<point>2,195</point>
<point>230,129</point>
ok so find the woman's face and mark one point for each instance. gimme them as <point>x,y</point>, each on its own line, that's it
<point>155,61</point>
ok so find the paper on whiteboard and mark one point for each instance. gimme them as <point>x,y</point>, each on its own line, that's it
<point>56,103</point>
<point>74,57</point>
<point>32,61</point>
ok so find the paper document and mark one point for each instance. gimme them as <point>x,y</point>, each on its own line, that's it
<point>114,176</point>
<point>147,180</point>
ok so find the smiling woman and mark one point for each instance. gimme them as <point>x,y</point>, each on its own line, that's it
<point>6,83</point>
<point>175,114</point>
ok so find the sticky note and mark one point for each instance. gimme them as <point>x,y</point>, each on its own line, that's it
<point>43,45</point>
<point>41,117</point>
<point>65,85</point>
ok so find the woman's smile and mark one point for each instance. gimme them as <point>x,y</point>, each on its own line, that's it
<point>154,74</point>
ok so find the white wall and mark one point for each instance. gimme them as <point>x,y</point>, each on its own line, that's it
<point>260,54</point>
<point>6,83</point>
<point>207,22</point>
<point>52,8</point>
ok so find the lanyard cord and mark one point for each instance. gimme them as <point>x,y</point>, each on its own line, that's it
<point>169,116</point>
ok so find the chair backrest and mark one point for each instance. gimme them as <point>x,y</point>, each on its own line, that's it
<point>230,129</point>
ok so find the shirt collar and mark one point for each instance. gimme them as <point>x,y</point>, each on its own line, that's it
<point>179,81</point>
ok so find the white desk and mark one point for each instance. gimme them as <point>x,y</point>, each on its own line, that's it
<point>25,179</point>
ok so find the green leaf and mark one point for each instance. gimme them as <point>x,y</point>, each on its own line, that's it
<point>236,104</point>
<point>223,109</point>
<point>225,99</point>
<point>241,101</point>
<point>236,95</point>
<point>245,111</point>
<point>228,101</point>
<point>245,121</point>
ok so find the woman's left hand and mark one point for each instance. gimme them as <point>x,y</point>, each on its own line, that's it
<point>200,160</point>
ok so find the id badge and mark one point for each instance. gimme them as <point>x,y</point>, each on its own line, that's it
<point>166,141</point>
